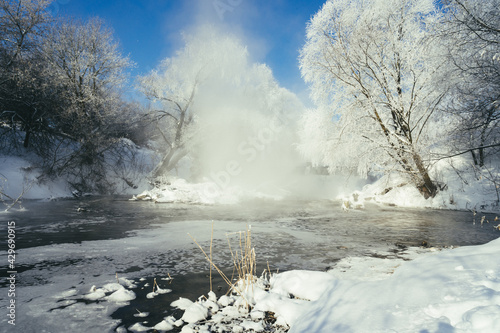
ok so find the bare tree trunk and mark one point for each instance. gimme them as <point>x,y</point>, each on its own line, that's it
<point>27,138</point>
<point>427,188</point>
<point>162,168</point>
<point>481,157</point>
<point>474,157</point>
<point>169,162</point>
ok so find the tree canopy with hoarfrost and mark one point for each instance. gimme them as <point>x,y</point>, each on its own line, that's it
<point>371,67</point>
<point>473,35</point>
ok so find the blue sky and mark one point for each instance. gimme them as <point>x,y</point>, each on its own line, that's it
<point>150,30</point>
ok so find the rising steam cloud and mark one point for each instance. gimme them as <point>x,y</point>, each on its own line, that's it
<point>245,122</point>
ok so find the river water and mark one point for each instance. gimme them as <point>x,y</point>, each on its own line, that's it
<point>70,245</point>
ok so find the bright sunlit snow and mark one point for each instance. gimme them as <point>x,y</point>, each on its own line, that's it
<point>455,290</point>
<point>449,291</point>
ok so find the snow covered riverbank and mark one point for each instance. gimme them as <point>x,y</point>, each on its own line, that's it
<point>472,189</point>
<point>454,290</point>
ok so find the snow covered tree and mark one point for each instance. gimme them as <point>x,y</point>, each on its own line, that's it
<point>84,60</point>
<point>22,22</point>
<point>172,88</point>
<point>25,95</point>
<point>473,35</point>
<point>60,93</point>
<point>87,61</point>
<point>372,68</point>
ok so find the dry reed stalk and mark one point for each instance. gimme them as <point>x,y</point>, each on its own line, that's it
<point>235,266</point>
<point>244,262</point>
<point>211,242</point>
<point>224,277</point>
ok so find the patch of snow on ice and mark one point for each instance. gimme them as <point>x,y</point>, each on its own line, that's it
<point>292,283</point>
<point>121,295</point>
<point>138,327</point>
<point>164,326</point>
<point>182,303</point>
<point>195,313</point>
<point>95,294</point>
